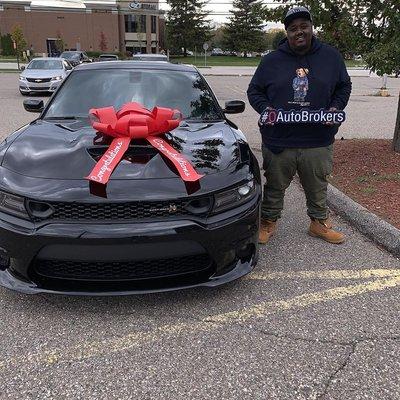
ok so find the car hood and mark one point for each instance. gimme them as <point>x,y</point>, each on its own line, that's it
<point>42,73</point>
<point>70,150</point>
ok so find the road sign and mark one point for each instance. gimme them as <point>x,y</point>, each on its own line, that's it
<point>205,46</point>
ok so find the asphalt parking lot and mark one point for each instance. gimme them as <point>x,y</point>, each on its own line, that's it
<point>313,321</point>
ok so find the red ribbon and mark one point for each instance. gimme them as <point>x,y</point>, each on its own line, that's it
<point>134,121</point>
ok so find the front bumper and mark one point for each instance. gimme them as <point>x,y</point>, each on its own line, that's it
<point>33,87</point>
<point>228,240</point>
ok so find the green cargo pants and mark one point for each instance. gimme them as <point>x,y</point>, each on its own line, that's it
<point>313,165</point>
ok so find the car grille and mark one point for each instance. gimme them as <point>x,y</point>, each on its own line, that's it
<point>122,211</point>
<point>39,89</point>
<point>36,79</point>
<point>121,270</point>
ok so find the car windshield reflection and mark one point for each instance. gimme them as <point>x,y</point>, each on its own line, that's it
<point>70,56</point>
<point>185,91</point>
<point>45,64</point>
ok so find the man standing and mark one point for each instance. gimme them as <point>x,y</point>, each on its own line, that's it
<point>303,74</point>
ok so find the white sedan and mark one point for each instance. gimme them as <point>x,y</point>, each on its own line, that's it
<point>43,75</point>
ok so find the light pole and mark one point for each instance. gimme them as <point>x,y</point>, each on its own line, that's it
<point>15,45</point>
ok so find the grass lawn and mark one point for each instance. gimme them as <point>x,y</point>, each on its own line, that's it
<point>8,59</point>
<point>218,61</point>
<point>237,61</point>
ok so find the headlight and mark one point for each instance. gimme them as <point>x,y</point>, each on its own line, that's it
<point>14,205</point>
<point>22,78</point>
<point>234,197</point>
<point>57,78</point>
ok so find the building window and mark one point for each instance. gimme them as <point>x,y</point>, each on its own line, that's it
<point>142,23</point>
<point>130,23</point>
<point>153,24</point>
<point>135,23</point>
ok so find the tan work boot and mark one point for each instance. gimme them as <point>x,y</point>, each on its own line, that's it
<point>323,229</point>
<point>267,229</point>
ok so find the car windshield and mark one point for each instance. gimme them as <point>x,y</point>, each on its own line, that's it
<point>45,64</point>
<point>70,56</point>
<point>185,91</point>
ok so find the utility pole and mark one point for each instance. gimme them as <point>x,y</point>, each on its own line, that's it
<point>396,137</point>
<point>15,45</point>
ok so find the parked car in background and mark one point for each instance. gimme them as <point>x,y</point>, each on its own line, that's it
<point>75,57</point>
<point>248,55</point>
<point>150,57</point>
<point>108,57</point>
<point>217,52</point>
<point>43,75</point>
<point>149,231</point>
<point>266,52</point>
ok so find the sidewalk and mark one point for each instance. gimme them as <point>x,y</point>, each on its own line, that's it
<point>249,71</point>
<point>9,65</point>
<point>217,71</point>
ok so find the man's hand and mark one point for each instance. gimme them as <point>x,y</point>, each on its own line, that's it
<point>263,121</point>
<point>331,109</point>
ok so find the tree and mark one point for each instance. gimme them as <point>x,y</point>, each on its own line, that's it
<point>218,38</point>
<point>18,38</point>
<point>277,38</point>
<point>103,41</point>
<point>244,31</point>
<point>7,48</point>
<point>60,45</point>
<point>333,20</point>
<point>270,36</point>
<point>381,35</point>
<point>187,25</point>
<point>380,21</point>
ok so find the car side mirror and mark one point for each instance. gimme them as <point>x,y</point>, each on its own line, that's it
<point>22,68</point>
<point>234,107</point>
<point>34,105</point>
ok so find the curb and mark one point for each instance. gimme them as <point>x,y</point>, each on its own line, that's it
<point>214,74</point>
<point>369,224</point>
<point>375,228</point>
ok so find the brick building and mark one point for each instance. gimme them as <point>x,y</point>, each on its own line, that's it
<point>83,25</point>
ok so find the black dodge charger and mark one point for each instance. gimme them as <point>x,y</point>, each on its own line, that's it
<point>146,230</point>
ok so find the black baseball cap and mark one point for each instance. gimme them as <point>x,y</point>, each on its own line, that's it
<point>297,12</point>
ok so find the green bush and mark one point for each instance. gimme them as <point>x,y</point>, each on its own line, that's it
<point>7,45</point>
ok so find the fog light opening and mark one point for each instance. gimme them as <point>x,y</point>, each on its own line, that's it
<point>245,252</point>
<point>4,259</point>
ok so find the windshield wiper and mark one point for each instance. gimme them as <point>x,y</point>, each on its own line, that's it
<point>65,127</point>
<point>203,120</point>
<point>70,117</point>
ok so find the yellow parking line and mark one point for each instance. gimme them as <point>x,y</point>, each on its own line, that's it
<point>329,274</point>
<point>167,333</point>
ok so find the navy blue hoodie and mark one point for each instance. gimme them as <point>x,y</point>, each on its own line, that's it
<point>285,80</point>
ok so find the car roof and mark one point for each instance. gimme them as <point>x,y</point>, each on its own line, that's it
<point>46,58</point>
<point>137,65</point>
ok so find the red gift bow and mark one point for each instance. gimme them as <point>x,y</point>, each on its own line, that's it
<point>134,121</point>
